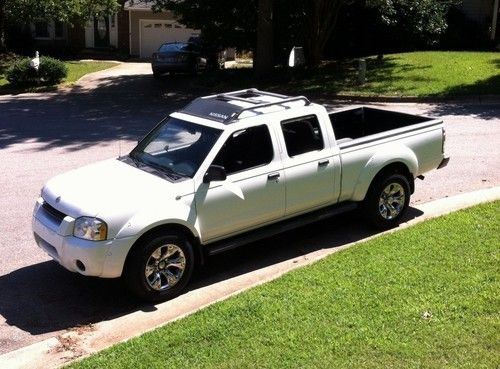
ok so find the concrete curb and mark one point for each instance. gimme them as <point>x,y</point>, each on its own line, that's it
<point>86,340</point>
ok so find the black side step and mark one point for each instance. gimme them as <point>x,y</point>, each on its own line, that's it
<point>277,228</point>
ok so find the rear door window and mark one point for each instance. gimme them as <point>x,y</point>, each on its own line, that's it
<point>302,135</point>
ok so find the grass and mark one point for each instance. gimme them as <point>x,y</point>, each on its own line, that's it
<point>424,297</point>
<point>415,74</point>
<point>76,70</point>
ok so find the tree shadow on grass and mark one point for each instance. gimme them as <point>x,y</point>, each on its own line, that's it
<point>341,77</point>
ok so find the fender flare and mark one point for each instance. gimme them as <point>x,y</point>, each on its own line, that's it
<point>392,155</point>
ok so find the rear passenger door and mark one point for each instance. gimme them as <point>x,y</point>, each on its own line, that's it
<point>308,165</point>
<point>253,193</point>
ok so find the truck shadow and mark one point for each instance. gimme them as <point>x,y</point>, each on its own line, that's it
<point>45,298</point>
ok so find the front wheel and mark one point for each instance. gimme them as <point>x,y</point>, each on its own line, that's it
<point>387,201</point>
<point>159,269</point>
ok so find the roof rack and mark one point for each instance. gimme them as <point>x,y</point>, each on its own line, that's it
<point>267,104</point>
<point>229,112</point>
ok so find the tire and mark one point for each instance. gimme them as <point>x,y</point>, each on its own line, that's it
<point>387,201</point>
<point>159,268</point>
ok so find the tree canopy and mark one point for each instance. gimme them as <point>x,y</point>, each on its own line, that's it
<point>69,11</point>
<point>309,23</point>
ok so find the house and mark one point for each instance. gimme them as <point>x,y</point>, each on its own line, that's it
<point>135,30</point>
<point>148,30</point>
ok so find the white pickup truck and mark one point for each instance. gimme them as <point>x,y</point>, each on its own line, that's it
<point>226,170</point>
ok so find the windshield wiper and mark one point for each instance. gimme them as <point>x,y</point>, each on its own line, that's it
<point>172,174</point>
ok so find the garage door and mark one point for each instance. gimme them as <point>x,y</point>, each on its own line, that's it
<point>154,33</point>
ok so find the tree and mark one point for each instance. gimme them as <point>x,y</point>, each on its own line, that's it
<point>251,24</point>
<point>225,23</point>
<point>424,19</point>
<point>320,18</point>
<point>69,11</point>
<point>264,57</point>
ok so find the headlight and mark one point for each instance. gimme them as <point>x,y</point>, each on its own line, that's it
<point>90,229</point>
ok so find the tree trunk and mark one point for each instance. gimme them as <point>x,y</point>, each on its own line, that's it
<point>263,60</point>
<point>320,20</point>
<point>3,46</point>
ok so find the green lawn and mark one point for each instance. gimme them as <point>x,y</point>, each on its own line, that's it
<point>421,74</point>
<point>76,70</point>
<point>424,297</point>
<point>424,74</point>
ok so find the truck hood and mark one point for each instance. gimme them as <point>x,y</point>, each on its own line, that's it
<point>110,190</point>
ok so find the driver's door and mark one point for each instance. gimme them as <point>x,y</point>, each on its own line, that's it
<point>253,193</point>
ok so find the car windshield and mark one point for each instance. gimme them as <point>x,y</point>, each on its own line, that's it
<point>176,146</point>
<point>175,47</point>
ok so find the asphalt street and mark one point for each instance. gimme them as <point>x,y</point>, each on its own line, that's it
<point>42,135</point>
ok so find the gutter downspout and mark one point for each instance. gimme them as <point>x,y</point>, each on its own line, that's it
<point>494,20</point>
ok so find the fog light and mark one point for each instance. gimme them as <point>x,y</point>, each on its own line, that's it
<point>80,265</point>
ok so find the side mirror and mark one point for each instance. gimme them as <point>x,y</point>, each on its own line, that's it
<point>214,173</point>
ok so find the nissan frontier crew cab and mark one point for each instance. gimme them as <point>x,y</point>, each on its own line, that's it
<point>226,170</point>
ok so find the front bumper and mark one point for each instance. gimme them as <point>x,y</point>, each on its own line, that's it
<point>92,258</point>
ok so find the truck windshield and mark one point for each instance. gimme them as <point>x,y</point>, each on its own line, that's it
<point>176,146</point>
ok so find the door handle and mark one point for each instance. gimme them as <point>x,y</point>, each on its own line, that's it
<point>273,176</point>
<point>322,163</point>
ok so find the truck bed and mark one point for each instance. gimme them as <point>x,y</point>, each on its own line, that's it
<point>356,123</point>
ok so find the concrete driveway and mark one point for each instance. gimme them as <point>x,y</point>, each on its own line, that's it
<point>42,135</point>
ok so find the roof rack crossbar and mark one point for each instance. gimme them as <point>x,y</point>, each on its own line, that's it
<point>265,105</point>
<point>233,94</point>
<point>237,98</point>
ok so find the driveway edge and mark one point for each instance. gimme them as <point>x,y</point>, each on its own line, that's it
<point>83,341</point>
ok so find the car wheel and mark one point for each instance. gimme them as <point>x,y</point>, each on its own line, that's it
<point>159,268</point>
<point>387,201</point>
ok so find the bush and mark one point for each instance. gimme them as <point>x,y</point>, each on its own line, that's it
<point>50,72</point>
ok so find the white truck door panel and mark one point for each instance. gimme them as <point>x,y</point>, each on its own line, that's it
<point>253,193</point>
<point>240,202</point>
<point>309,181</point>
<point>308,164</point>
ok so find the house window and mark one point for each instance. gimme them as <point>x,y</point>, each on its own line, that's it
<point>59,29</point>
<point>42,29</point>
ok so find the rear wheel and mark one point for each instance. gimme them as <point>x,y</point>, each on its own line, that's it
<point>387,201</point>
<point>159,269</point>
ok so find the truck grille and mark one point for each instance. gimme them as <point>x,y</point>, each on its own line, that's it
<point>53,212</point>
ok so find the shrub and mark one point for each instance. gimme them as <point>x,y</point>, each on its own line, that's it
<point>50,72</point>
